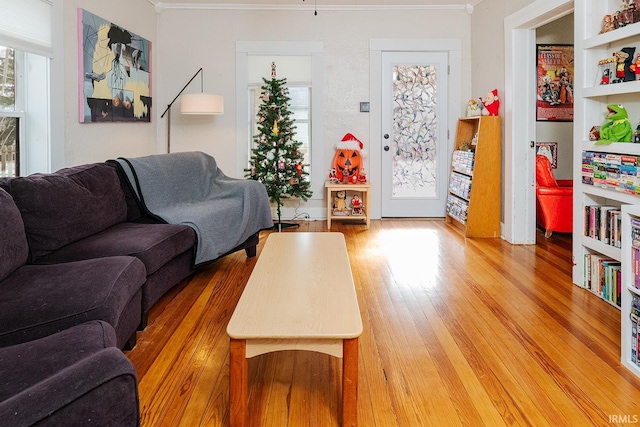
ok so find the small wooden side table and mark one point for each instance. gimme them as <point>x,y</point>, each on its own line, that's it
<point>350,189</point>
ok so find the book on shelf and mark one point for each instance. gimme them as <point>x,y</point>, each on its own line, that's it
<point>635,337</point>
<point>462,161</point>
<point>615,172</point>
<point>602,276</point>
<point>457,208</point>
<point>635,251</point>
<point>603,223</point>
<point>634,341</point>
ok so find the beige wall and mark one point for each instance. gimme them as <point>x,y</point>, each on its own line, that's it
<point>94,142</point>
<point>487,44</point>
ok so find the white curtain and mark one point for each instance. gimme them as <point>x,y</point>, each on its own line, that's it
<point>26,25</point>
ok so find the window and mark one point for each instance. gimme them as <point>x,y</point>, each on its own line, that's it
<point>300,108</point>
<point>301,63</point>
<point>9,119</point>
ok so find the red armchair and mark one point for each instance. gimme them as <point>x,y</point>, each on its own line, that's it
<point>554,199</point>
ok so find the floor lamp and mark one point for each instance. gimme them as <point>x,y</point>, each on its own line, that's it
<point>194,103</point>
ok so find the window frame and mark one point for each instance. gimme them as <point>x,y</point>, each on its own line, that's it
<point>18,106</point>
<point>32,99</point>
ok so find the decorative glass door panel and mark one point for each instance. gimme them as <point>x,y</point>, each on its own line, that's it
<point>414,164</point>
<point>414,169</point>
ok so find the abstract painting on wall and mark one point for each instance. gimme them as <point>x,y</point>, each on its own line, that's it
<point>114,72</point>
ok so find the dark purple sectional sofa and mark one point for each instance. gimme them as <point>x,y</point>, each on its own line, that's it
<point>81,264</point>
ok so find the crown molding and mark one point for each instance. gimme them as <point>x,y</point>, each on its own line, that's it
<point>160,6</point>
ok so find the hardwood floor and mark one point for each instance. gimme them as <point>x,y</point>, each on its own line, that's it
<point>456,332</point>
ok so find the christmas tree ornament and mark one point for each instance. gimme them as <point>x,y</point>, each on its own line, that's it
<point>275,129</point>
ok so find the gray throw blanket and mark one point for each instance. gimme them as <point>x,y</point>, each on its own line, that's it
<point>189,188</point>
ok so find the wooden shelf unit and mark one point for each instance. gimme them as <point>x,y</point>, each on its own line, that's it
<point>482,217</point>
<point>361,189</point>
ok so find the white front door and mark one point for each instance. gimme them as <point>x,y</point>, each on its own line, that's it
<point>414,129</point>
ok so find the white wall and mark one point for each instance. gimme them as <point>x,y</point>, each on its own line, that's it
<point>95,142</point>
<point>210,43</point>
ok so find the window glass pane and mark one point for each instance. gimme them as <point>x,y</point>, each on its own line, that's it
<point>300,104</point>
<point>7,79</point>
<point>9,159</point>
<point>300,108</point>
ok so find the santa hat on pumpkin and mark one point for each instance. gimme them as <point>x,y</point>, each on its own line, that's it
<point>350,142</point>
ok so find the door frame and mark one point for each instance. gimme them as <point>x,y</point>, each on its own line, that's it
<point>376,46</point>
<point>519,220</point>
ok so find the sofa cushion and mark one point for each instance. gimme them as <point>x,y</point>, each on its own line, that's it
<point>39,300</point>
<point>13,241</point>
<point>68,205</point>
<point>153,244</point>
<point>74,377</point>
<point>5,182</point>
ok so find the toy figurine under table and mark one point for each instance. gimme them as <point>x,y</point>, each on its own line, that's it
<point>356,205</point>
<point>340,203</point>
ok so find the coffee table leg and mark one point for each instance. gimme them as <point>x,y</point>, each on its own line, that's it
<point>238,383</point>
<point>350,382</point>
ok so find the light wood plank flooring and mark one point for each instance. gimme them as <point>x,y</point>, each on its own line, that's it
<point>469,332</point>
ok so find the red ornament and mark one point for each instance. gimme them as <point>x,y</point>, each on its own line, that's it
<point>299,168</point>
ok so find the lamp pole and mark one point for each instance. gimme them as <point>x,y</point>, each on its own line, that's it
<point>168,109</point>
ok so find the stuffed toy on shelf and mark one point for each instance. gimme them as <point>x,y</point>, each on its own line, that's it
<point>617,128</point>
<point>491,103</point>
<point>340,202</point>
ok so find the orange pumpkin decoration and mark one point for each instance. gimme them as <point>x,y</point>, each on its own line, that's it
<point>347,160</point>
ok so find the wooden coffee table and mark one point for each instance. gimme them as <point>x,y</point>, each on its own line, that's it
<point>300,296</point>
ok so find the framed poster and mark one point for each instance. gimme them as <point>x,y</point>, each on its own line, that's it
<point>549,149</point>
<point>114,72</point>
<point>554,100</point>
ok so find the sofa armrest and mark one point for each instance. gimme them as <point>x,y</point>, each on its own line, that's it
<point>99,390</point>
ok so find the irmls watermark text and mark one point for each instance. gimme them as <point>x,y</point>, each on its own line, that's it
<point>623,418</point>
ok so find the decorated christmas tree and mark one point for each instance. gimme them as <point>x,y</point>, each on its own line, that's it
<point>276,160</point>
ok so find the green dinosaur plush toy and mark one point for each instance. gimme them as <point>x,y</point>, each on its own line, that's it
<point>617,128</point>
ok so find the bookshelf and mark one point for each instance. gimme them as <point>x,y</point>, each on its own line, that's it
<point>598,170</point>
<point>630,287</point>
<point>473,198</point>
<point>590,101</point>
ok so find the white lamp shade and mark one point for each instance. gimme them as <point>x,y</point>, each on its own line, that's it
<point>201,103</point>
